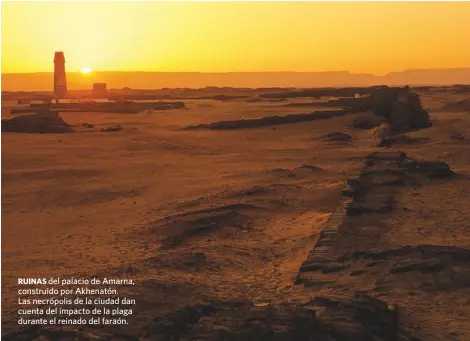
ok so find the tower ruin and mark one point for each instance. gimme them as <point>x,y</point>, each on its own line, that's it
<point>99,90</point>
<point>60,81</point>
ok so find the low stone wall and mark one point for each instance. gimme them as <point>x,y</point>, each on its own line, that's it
<point>372,192</point>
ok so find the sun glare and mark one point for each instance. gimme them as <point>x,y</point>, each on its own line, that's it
<point>86,70</point>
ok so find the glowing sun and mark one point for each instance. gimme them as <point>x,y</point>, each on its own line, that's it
<point>86,70</point>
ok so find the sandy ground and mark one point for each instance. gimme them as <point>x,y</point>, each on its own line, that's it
<point>122,203</point>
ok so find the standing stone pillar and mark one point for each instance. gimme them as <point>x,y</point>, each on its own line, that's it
<point>60,81</point>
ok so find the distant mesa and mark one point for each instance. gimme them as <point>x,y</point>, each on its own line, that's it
<point>267,80</point>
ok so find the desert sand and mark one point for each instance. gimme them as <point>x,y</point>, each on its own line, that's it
<point>200,215</point>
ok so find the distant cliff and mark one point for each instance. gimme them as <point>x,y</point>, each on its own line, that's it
<point>155,80</point>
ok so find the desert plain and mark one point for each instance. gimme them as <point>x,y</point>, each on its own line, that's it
<point>214,224</point>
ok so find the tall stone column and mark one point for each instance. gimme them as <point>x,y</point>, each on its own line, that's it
<point>60,81</point>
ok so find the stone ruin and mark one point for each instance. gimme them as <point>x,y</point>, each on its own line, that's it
<point>121,106</point>
<point>42,122</point>
<point>373,191</point>
<point>401,108</point>
<point>99,90</point>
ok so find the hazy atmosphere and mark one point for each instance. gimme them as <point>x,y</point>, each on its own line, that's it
<point>366,37</point>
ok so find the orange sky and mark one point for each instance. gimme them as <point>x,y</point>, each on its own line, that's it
<point>360,37</point>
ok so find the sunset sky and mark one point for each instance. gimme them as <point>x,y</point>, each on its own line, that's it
<point>360,37</point>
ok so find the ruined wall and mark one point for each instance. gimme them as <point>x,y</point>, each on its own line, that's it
<point>401,108</point>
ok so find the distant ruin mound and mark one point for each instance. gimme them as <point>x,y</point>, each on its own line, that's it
<point>226,97</point>
<point>162,105</point>
<point>459,106</point>
<point>321,92</point>
<point>118,107</point>
<point>43,122</point>
<point>401,108</point>
<point>461,89</point>
<point>270,120</point>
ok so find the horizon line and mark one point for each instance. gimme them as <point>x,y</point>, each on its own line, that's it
<point>232,72</point>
